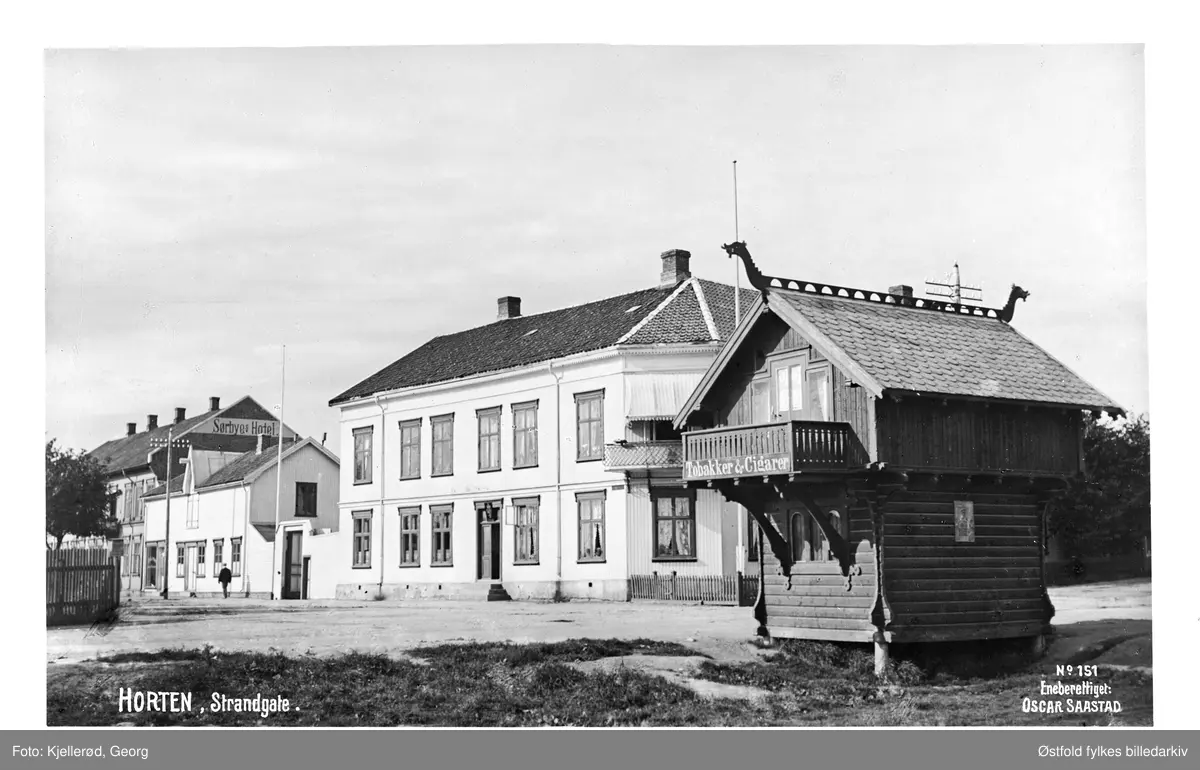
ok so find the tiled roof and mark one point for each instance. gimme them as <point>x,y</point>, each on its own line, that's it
<point>931,351</point>
<point>129,452</point>
<point>526,340</point>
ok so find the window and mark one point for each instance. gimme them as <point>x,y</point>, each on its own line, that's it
<point>410,449</point>
<point>592,545</point>
<point>443,444</point>
<point>589,426</point>
<point>306,498</point>
<point>193,513</point>
<point>443,555</point>
<point>789,390</point>
<point>362,539</point>
<point>817,384</point>
<point>489,438</point>
<point>525,531</point>
<point>363,438</point>
<point>179,561</point>
<point>126,556</point>
<point>235,556</point>
<point>808,539</point>
<point>410,537</point>
<point>525,435</point>
<point>674,525</point>
<point>218,553</point>
<point>201,552</point>
<point>137,556</point>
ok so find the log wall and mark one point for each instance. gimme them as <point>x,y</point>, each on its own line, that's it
<point>941,590</point>
<point>818,601</point>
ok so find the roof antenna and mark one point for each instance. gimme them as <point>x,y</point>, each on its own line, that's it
<point>737,269</point>
<point>953,287</point>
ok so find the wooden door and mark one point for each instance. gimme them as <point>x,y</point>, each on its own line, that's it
<point>489,551</point>
<point>293,565</point>
<point>189,569</point>
<point>151,566</point>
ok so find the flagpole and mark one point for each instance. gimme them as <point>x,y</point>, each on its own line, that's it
<point>170,560</point>
<point>279,470</point>
<point>737,268</point>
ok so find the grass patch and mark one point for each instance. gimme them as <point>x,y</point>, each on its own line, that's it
<point>979,683</point>
<point>470,685</point>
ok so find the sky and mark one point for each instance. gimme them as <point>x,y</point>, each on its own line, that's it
<point>206,206</point>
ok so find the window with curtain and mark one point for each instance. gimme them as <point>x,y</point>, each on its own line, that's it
<point>674,525</point>
<point>525,435</point>
<point>592,546</point>
<point>442,554</point>
<point>589,426</point>
<point>525,531</point>
<point>410,537</point>
<point>410,449</point>
<point>443,444</point>
<point>363,440</point>
<point>489,438</point>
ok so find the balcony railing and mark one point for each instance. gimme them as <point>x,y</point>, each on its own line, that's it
<point>774,448</point>
<point>637,455</point>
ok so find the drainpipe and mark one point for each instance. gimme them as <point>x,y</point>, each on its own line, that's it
<point>245,540</point>
<point>382,481</point>
<point>557,475</point>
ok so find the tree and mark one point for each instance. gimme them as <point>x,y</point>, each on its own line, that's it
<point>1107,511</point>
<point>77,499</point>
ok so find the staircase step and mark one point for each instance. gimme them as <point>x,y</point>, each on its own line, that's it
<point>496,593</point>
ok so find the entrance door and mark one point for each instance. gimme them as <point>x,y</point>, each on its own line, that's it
<point>489,543</point>
<point>189,566</point>
<point>151,566</point>
<point>293,565</point>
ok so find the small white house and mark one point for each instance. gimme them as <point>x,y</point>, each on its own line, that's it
<point>533,457</point>
<point>229,516</point>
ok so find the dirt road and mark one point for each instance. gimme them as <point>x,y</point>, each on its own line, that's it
<point>391,627</point>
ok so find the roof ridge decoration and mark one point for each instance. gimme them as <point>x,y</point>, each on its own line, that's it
<point>766,282</point>
<point>713,332</point>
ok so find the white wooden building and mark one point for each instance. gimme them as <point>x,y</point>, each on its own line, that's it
<point>535,453</point>
<point>228,515</point>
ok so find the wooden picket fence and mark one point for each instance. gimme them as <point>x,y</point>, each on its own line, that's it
<point>739,589</point>
<point>82,585</point>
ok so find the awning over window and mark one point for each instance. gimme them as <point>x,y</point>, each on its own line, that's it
<point>658,395</point>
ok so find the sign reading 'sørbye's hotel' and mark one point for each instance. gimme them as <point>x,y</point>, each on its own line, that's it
<point>230,426</point>
<point>749,465</point>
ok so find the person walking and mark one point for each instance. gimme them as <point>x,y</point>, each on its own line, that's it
<point>225,578</point>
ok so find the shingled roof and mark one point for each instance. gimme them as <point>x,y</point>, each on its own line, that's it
<point>937,352</point>
<point>694,312</point>
<point>129,452</point>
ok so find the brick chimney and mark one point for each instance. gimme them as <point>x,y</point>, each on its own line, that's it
<point>179,414</point>
<point>675,268</point>
<point>130,428</point>
<point>260,444</point>
<point>214,403</point>
<point>905,293</point>
<point>508,307</point>
<point>151,421</point>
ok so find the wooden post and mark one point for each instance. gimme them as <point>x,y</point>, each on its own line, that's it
<point>881,656</point>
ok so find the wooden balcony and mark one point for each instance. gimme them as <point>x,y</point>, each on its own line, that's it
<point>641,455</point>
<point>770,449</point>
